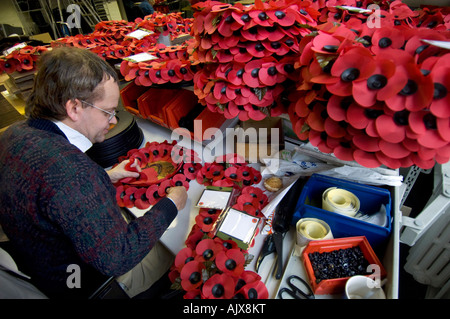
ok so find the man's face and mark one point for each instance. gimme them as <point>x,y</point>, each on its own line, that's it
<point>95,123</point>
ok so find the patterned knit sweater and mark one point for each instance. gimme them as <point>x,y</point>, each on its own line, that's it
<point>58,208</point>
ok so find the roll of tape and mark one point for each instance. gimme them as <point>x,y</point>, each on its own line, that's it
<point>340,201</point>
<point>309,229</point>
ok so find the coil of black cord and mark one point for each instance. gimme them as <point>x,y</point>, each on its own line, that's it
<point>124,136</point>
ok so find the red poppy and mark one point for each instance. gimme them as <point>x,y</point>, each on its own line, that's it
<point>394,150</point>
<point>366,159</point>
<point>416,94</point>
<point>129,70</point>
<point>226,244</point>
<point>191,275</point>
<point>207,250</point>
<point>190,170</point>
<point>219,286</point>
<point>180,180</point>
<point>392,126</point>
<point>231,173</point>
<point>205,222</point>
<point>194,237</point>
<point>168,72</point>
<point>184,256</point>
<point>163,186</point>
<point>245,173</point>
<point>120,194</point>
<point>223,183</point>
<point>9,65</point>
<point>255,192</point>
<point>174,274</point>
<point>357,64</point>
<point>441,80</point>
<point>152,194</point>
<point>249,209</point>
<point>387,38</point>
<point>240,53</point>
<point>140,199</point>
<point>128,197</point>
<point>384,83</point>
<point>254,290</point>
<point>231,262</point>
<point>432,132</point>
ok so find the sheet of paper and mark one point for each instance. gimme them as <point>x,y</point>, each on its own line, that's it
<point>213,199</point>
<point>239,225</point>
<point>140,57</point>
<point>139,33</point>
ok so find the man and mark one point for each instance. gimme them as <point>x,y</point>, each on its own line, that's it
<point>57,206</point>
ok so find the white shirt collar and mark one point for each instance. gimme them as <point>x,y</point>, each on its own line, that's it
<point>75,138</point>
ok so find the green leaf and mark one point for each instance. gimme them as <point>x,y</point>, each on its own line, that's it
<point>260,92</point>
<point>323,60</point>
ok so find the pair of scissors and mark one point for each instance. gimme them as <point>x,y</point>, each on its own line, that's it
<point>296,289</point>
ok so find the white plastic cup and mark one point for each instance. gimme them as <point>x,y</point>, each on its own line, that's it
<point>362,287</point>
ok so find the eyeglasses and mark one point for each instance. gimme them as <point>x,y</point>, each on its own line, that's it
<point>111,114</point>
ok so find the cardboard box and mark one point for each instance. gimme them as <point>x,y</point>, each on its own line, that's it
<point>259,139</point>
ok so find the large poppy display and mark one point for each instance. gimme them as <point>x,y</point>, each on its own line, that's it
<point>376,95</point>
<point>361,84</point>
<point>248,54</point>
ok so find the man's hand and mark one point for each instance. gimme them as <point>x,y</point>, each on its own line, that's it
<point>118,172</point>
<point>178,195</point>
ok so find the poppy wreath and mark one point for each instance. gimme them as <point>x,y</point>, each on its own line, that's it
<point>223,172</point>
<point>171,66</point>
<point>21,60</point>
<point>375,95</point>
<point>163,165</point>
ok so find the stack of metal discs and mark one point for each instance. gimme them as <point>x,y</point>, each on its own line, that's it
<point>124,136</point>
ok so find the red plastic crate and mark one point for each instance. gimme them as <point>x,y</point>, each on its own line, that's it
<point>210,119</point>
<point>337,285</point>
<point>130,95</point>
<point>153,103</point>
<point>182,103</point>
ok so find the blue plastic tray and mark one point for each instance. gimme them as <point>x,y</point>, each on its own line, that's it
<point>371,199</point>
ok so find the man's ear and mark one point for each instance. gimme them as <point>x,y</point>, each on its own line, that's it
<point>73,109</point>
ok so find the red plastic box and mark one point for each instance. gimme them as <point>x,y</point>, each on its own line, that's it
<point>153,103</point>
<point>130,95</point>
<point>337,285</point>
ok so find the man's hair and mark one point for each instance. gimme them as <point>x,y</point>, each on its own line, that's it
<point>66,73</point>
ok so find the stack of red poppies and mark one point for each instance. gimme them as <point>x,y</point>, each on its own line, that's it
<point>23,59</point>
<point>372,91</point>
<point>249,54</point>
<point>108,40</point>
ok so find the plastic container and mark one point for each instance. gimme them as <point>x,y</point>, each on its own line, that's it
<point>182,103</point>
<point>337,285</point>
<point>153,103</point>
<point>371,198</point>
<point>130,95</point>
